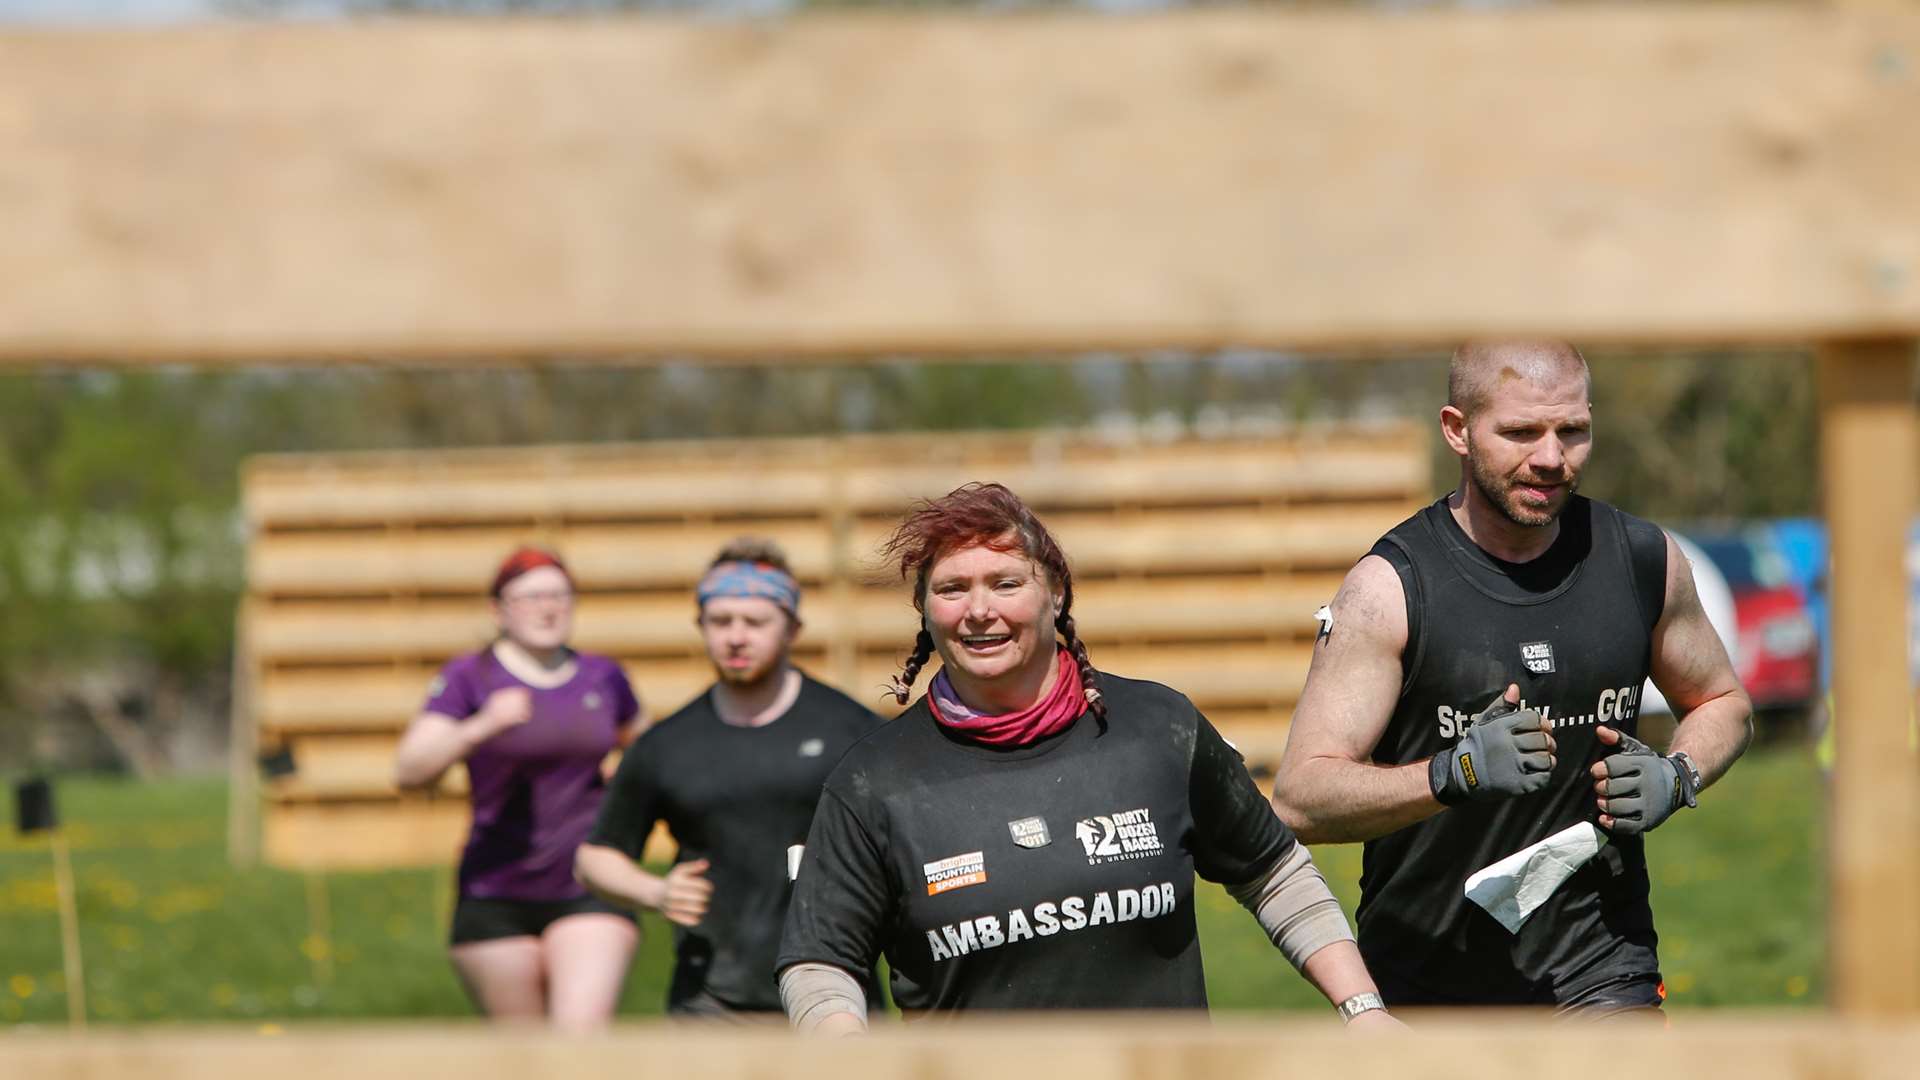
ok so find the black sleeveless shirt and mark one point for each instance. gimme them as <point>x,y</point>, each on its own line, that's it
<point>1574,629</point>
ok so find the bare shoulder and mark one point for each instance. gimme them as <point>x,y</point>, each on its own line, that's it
<point>1682,597</point>
<point>1371,606</point>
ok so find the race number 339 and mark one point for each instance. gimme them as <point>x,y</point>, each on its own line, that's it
<point>1538,656</point>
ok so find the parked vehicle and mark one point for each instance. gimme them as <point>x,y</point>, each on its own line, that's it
<point>1778,655</point>
<point>1804,543</point>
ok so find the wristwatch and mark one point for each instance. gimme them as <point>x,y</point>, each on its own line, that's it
<point>1357,1004</point>
<point>1689,777</point>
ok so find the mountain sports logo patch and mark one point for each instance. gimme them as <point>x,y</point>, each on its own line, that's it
<point>955,872</point>
<point>1108,838</point>
<point>1538,656</point>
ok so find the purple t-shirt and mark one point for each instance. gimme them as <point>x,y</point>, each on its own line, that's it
<point>535,788</point>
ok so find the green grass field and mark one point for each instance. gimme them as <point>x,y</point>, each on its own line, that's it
<point>171,933</point>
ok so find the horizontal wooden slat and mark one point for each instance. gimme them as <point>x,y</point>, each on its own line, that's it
<point>376,699</point>
<point>1805,1044</point>
<point>802,477</point>
<point>370,830</point>
<point>834,186</point>
<point>350,764</point>
<point>369,834</point>
<point>1167,609</point>
<point>462,561</point>
<point>384,699</point>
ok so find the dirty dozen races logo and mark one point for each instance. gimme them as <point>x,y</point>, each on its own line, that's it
<point>1130,834</point>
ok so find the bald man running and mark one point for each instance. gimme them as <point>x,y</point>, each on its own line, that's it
<point>1471,708</point>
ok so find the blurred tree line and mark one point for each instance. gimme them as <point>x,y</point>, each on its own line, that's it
<point>121,547</point>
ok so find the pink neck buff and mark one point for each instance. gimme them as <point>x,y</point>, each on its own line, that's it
<point>1048,716</point>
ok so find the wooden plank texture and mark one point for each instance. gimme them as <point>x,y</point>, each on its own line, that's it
<point>872,474</point>
<point>1869,457</point>
<point>1443,1047</point>
<point>866,184</point>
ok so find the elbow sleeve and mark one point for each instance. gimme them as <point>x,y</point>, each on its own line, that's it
<point>1295,907</point>
<point>812,992</point>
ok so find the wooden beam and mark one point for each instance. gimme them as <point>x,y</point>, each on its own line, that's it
<point>1142,1048</point>
<point>1869,458</point>
<point>870,184</point>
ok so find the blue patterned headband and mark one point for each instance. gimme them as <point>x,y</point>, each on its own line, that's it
<point>751,579</point>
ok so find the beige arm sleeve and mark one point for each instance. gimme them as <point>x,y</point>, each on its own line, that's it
<point>1295,907</point>
<point>812,992</point>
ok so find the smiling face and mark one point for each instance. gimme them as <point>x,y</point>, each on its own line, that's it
<point>991,614</point>
<point>748,637</point>
<point>1525,447</point>
<point>535,610</point>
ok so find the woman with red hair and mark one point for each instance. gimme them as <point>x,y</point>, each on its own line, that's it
<point>1026,835</point>
<point>533,720</point>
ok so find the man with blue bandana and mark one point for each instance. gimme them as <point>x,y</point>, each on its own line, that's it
<point>735,775</point>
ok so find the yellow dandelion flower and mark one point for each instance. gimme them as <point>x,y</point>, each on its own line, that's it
<point>1797,986</point>
<point>22,986</point>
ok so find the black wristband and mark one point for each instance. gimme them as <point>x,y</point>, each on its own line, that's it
<point>1440,780</point>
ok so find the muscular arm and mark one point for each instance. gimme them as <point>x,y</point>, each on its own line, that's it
<point>1328,789</point>
<point>1691,668</point>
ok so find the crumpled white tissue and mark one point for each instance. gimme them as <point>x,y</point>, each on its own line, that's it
<point>1514,887</point>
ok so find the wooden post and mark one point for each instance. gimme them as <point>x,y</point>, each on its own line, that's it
<point>1869,457</point>
<point>318,946</point>
<point>70,932</point>
<point>243,753</point>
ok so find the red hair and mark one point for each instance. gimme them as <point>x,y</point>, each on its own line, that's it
<point>521,561</point>
<point>991,516</point>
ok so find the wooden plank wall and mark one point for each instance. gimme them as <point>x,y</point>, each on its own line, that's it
<point>1198,563</point>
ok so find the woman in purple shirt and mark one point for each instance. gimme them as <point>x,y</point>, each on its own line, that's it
<point>534,721</point>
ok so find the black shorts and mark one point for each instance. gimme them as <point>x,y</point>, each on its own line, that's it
<point>1619,993</point>
<point>478,918</point>
<point>1627,995</point>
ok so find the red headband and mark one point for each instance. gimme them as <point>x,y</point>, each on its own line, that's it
<point>523,560</point>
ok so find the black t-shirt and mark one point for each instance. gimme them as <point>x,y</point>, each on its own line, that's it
<point>740,797</point>
<point>1574,629</point>
<point>1058,875</point>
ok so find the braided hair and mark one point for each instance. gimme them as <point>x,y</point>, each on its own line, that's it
<point>985,515</point>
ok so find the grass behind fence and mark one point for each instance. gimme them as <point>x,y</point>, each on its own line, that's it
<point>171,933</point>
